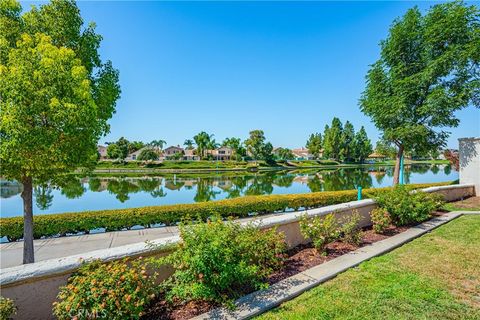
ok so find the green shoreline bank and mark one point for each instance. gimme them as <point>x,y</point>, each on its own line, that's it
<point>139,169</point>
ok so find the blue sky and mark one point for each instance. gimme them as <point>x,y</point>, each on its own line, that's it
<point>230,67</point>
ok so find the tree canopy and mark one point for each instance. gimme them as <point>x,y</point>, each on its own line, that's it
<point>203,141</point>
<point>188,143</point>
<point>284,154</point>
<point>56,96</point>
<point>258,147</point>
<point>347,143</point>
<point>148,154</point>
<point>314,144</point>
<point>428,69</point>
<point>332,140</point>
<point>119,149</point>
<point>362,146</point>
<point>236,145</point>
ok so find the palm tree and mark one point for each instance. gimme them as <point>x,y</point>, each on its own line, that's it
<point>203,140</point>
<point>236,145</point>
<point>158,144</point>
<point>212,144</point>
<point>189,144</point>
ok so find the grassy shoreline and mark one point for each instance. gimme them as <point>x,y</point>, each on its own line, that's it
<point>225,166</point>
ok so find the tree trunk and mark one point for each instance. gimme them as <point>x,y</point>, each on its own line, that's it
<point>396,173</point>
<point>28,253</point>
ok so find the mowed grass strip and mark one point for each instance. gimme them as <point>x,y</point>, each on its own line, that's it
<point>436,276</point>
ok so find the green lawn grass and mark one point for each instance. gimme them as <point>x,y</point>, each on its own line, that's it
<point>392,162</point>
<point>434,277</point>
<point>200,164</point>
<point>241,165</point>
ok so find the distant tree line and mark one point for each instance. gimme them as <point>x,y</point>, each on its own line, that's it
<point>255,147</point>
<point>122,148</point>
<point>340,142</point>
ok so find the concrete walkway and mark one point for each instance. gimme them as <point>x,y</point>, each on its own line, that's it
<point>11,253</point>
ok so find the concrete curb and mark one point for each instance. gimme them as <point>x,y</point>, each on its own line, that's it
<point>260,301</point>
<point>64,265</point>
<point>468,212</point>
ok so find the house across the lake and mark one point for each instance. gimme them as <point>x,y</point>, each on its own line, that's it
<point>134,155</point>
<point>172,150</point>
<point>302,154</point>
<point>190,154</point>
<point>102,151</point>
<point>222,153</point>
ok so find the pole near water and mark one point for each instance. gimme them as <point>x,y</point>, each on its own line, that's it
<point>401,170</point>
<point>359,194</point>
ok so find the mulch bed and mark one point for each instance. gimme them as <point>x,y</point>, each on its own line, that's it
<point>298,259</point>
<point>469,203</point>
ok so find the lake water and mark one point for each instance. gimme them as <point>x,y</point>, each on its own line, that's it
<point>96,193</point>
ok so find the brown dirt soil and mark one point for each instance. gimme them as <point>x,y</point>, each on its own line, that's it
<point>298,259</point>
<point>161,310</point>
<point>469,203</point>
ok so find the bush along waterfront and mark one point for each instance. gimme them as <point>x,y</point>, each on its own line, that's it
<point>7,308</point>
<point>216,262</point>
<point>407,207</point>
<point>120,219</point>
<point>398,206</point>
<point>115,290</point>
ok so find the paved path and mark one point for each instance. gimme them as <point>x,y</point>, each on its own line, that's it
<point>11,254</point>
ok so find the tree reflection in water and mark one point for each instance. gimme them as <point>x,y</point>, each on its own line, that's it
<point>43,196</point>
<point>212,186</point>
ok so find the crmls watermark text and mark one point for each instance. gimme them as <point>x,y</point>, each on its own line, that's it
<point>88,314</point>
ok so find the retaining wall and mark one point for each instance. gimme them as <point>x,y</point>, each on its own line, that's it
<point>34,287</point>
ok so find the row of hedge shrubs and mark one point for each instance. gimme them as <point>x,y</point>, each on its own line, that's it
<point>118,219</point>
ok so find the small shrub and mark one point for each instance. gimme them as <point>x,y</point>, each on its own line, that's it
<point>116,290</point>
<point>351,232</point>
<point>321,230</point>
<point>381,219</point>
<point>7,308</point>
<point>407,208</point>
<point>219,261</point>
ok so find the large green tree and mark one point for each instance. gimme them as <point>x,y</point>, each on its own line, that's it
<point>158,144</point>
<point>428,69</point>
<point>386,149</point>
<point>236,145</point>
<point>203,141</point>
<point>189,144</point>
<point>347,142</point>
<point>147,154</point>
<point>119,149</point>
<point>362,146</point>
<point>314,144</point>
<point>332,139</point>
<point>258,147</point>
<point>135,146</point>
<point>56,96</point>
<point>284,154</point>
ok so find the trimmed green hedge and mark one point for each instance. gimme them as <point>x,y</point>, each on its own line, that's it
<point>118,219</point>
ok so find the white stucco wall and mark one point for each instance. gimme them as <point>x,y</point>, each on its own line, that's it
<point>469,155</point>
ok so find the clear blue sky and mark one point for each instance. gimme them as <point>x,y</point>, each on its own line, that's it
<point>230,67</point>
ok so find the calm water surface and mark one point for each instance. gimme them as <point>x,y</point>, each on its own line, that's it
<point>95,193</point>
